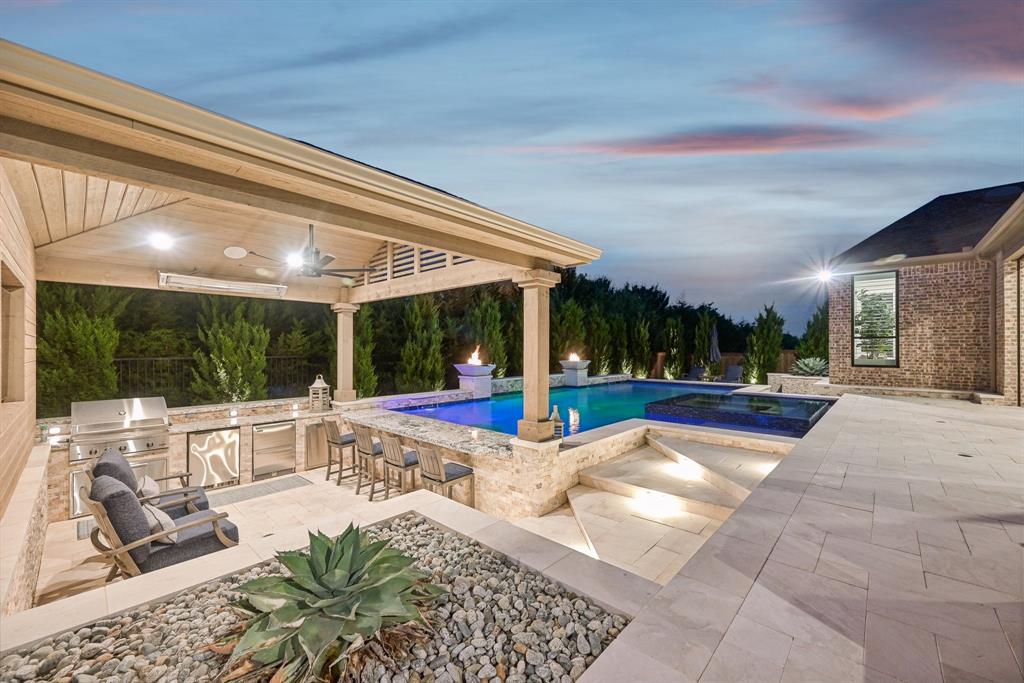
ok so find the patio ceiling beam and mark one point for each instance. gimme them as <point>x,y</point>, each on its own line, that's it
<point>94,273</point>
<point>452,277</point>
<point>40,144</point>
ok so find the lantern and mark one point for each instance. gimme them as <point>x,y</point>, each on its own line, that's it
<point>319,394</point>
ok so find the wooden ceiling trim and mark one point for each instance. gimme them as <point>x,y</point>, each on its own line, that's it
<point>115,193</point>
<point>75,196</point>
<point>96,194</point>
<point>23,181</point>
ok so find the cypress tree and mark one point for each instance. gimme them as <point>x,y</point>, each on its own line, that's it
<point>567,332</point>
<point>362,355</point>
<point>675,346</point>
<point>485,329</point>
<point>598,342</point>
<point>702,340</point>
<point>640,347</point>
<point>814,343</point>
<point>76,360</point>
<point>232,363</point>
<point>764,345</point>
<point>421,365</point>
<point>619,360</point>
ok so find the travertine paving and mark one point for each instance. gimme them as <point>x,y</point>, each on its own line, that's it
<point>885,547</point>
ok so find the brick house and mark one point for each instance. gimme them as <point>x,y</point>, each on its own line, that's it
<point>933,300</point>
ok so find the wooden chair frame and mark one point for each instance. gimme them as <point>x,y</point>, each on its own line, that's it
<point>394,464</point>
<point>186,491</point>
<point>432,475</point>
<point>334,444</point>
<point>367,461</point>
<point>119,553</point>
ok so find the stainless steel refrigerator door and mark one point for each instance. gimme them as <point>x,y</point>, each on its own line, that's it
<point>273,449</point>
<point>213,457</point>
<point>155,468</point>
<point>316,445</point>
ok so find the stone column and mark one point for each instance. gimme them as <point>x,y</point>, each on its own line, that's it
<point>345,389</point>
<point>536,285</point>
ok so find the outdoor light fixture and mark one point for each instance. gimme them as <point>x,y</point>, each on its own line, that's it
<point>294,260</point>
<point>208,284</point>
<point>825,275</point>
<point>161,241</point>
<point>236,252</point>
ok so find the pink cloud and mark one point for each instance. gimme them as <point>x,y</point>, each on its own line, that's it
<point>982,38</point>
<point>867,107</point>
<point>728,140</point>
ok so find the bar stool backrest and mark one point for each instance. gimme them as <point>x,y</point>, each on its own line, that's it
<point>333,432</point>
<point>394,454</point>
<point>364,440</point>
<point>431,465</point>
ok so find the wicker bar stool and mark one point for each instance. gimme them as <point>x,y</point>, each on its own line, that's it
<point>440,477</point>
<point>368,452</point>
<point>337,443</point>
<point>397,461</point>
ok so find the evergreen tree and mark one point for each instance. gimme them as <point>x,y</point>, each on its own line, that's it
<point>513,317</point>
<point>619,360</point>
<point>568,333</point>
<point>296,341</point>
<point>814,343</point>
<point>76,360</point>
<point>764,345</point>
<point>421,367</point>
<point>702,339</point>
<point>640,348</point>
<point>231,364</point>
<point>362,355</point>
<point>487,332</point>
<point>675,349</point>
<point>598,342</point>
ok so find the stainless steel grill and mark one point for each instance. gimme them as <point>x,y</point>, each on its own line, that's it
<point>131,425</point>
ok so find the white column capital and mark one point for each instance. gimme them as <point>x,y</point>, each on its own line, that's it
<point>344,308</point>
<point>530,279</point>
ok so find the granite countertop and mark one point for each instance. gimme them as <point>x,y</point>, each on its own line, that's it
<point>181,427</point>
<point>470,440</point>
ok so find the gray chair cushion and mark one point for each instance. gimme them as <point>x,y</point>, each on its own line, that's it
<point>177,511</point>
<point>378,450</point>
<point>113,464</point>
<point>346,439</point>
<point>734,373</point>
<point>192,543</point>
<point>452,471</point>
<point>410,458</point>
<point>125,512</point>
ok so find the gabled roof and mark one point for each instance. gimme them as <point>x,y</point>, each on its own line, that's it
<point>948,224</point>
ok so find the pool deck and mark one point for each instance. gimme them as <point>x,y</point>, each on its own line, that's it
<point>886,546</point>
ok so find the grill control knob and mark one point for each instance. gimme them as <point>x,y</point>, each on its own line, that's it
<point>92,451</point>
<point>149,444</point>
<point>122,448</point>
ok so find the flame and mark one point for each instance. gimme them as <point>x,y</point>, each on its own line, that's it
<point>474,359</point>
<point>573,356</point>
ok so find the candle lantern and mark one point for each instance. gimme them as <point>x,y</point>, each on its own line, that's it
<point>319,394</point>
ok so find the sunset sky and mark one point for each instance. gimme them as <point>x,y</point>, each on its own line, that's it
<point>719,149</point>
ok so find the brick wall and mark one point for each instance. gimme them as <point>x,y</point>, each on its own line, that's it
<point>945,331</point>
<point>1008,324</point>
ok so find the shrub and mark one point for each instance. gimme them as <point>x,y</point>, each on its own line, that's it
<point>702,339</point>
<point>810,367</point>
<point>232,365</point>
<point>619,360</point>
<point>339,596</point>
<point>362,354</point>
<point>567,332</point>
<point>76,360</point>
<point>640,348</point>
<point>764,345</point>
<point>421,363</point>
<point>598,342</point>
<point>675,349</point>
<point>814,343</point>
<point>487,331</point>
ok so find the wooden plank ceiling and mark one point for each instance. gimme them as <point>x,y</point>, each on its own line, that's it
<point>59,204</point>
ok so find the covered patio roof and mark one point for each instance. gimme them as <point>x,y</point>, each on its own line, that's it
<point>98,165</point>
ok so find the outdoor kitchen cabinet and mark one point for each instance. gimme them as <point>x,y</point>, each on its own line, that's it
<point>273,449</point>
<point>214,456</point>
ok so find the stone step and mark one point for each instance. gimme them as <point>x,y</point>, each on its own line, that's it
<point>652,541</point>
<point>645,474</point>
<point>679,452</point>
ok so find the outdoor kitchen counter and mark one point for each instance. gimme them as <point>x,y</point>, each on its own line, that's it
<point>472,441</point>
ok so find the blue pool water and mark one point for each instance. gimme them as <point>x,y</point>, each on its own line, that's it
<point>581,408</point>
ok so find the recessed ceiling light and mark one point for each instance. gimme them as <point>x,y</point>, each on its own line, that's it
<point>236,252</point>
<point>265,272</point>
<point>161,241</point>
<point>295,260</point>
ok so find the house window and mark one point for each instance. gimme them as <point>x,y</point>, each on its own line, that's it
<point>12,337</point>
<point>875,315</point>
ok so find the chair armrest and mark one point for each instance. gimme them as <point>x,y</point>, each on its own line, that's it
<point>173,492</point>
<point>164,534</point>
<point>177,502</point>
<point>182,477</point>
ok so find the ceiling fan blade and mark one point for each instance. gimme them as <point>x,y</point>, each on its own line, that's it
<point>324,260</point>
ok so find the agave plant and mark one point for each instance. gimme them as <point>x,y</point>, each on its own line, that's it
<point>342,595</point>
<point>810,367</point>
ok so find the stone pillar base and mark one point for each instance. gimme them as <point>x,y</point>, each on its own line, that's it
<point>528,430</point>
<point>480,385</point>
<point>344,394</point>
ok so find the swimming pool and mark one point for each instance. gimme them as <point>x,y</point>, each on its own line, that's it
<point>581,408</point>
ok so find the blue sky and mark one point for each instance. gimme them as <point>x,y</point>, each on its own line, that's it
<point>719,149</point>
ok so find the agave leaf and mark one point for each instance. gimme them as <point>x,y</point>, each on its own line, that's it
<point>342,610</point>
<point>337,549</point>
<point>298,563</point>
<point>276,587</point>
<point>257,637</point>
<point>244,669</point>
<point>363,624</point>
<point>266,604</point>
<point>289,615</point>
<point>244,605</point>
<point>318,550</point>
<point>317,632</point>
<point>348,549</point>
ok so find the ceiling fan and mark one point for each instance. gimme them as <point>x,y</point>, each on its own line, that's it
<point>308,262</point>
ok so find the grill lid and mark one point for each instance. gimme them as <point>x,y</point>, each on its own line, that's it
<point>117,415</point>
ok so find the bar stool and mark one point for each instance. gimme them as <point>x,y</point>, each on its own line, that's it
<point>368,452</point>
<point>440,477</point>
<point>397,461</point>
<point>336,441</point>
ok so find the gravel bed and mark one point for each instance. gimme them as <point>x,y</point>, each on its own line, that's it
<point>499,622</point>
